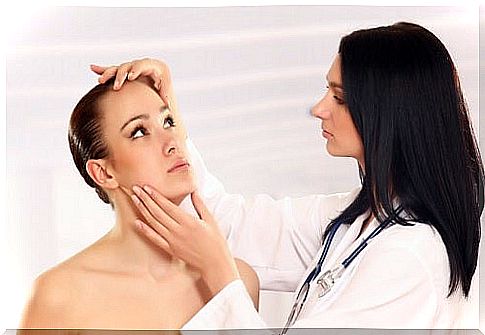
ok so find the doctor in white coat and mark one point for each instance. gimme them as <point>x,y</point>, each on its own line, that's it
<point>398,252</point>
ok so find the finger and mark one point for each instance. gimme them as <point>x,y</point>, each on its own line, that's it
<point>163,92</point>
<point>126,190</point>
<point>160,79</point>
<point>200,207</point>
<point>160,224</point>
<point>153,236</point>
<point>121,75</point>
<point>108,74</point>
<point>175,212</point>
<point>153,210</point>
<point>139,68</point>
<point>98,69</point>
<point>162,83</point>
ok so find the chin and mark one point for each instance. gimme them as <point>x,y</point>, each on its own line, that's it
<point>331,150</point>
<point>181,193</point>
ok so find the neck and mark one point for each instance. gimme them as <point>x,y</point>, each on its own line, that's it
<point>137,253</point>
<point>361,163</point>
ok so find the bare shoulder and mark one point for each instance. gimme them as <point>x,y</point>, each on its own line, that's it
<point>50,294</point>
<point>54,293</point>
<point>250,279</point>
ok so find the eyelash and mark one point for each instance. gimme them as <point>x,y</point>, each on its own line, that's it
<point>169,119</point>
<point>339,101</point>
<point>136,130</point>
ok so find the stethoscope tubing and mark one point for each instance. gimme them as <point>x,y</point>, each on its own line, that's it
<point>345,263</point>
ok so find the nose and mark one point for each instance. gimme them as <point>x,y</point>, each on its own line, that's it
<point>320,110</point>
<point>170,143</point>
<point>171,150</point>
<point>171,147</point>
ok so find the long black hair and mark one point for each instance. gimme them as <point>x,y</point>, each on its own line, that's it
<point>404,96</point>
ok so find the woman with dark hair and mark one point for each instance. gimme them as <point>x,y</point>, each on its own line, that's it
<point>398,252</point>
<point>122,281</point>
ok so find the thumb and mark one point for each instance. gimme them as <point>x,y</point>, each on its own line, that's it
<point>200,207</point>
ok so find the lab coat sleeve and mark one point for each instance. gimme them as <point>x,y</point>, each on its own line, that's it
<point>231,308</point>
<point>390,288</point>
<point>278,238</point>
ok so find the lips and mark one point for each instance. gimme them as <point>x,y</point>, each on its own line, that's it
<point>180,164</point>
<point>326,133</point>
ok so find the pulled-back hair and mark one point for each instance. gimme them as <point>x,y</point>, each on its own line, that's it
<point>404,96</point>
<point>85,135</point>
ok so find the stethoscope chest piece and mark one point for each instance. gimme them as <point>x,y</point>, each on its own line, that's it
<point>327,280</point>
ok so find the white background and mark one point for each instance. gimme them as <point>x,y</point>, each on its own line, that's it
<point>245,79</point>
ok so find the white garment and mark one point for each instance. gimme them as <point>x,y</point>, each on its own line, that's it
<point>399,281</point>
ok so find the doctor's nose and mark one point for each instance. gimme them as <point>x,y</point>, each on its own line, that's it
<point>315,111</point>
<point>320,110</point>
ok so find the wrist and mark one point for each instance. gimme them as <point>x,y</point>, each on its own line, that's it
<point>218,277</point>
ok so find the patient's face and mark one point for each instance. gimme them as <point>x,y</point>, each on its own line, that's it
<point>145,145</point>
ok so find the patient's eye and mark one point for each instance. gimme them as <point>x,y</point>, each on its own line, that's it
<point>139,131</point>
<point>168,122</point>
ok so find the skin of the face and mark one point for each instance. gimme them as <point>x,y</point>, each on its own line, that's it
<point>150,149</point>
<point>338,128</point>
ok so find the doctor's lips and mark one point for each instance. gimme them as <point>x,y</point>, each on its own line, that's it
<point>179,165</point>
<point>326,134</point>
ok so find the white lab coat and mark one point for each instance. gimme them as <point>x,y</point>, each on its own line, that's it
<point>399,281</point>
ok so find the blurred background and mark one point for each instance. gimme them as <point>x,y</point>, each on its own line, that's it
<point>245,78</point>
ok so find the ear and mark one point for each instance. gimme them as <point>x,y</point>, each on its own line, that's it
<point>98,171</point>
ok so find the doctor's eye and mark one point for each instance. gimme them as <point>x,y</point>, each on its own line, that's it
<point>169,122</point>
<point>138,132</point>
<point>340,101</point>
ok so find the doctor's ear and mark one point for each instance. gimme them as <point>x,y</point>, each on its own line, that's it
<point>99,173</point>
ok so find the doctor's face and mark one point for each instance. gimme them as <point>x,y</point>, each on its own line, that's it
<point>337,125</point>
<point>145,144</point>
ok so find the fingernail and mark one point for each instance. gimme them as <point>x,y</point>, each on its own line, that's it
<point>137,190</point>
<point>130,75</point>
<point>147,189</point>
<point>135,199</point>
<point>116,84</point>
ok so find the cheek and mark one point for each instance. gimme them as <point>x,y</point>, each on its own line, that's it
<point>147,170</point>
<point>356,140</point>
<point>137,167</point>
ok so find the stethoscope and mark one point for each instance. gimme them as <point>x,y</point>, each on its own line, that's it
<point>328,278</point>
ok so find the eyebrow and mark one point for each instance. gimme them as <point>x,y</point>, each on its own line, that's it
<point>334,84</point>
<point>134,118</point>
